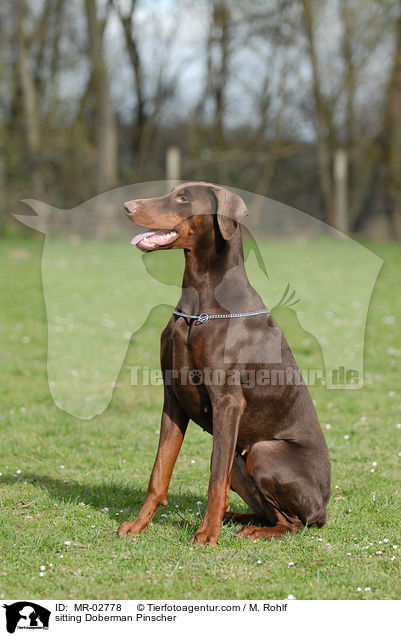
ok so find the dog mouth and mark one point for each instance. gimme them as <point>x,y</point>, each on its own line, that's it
<point>152,239</point>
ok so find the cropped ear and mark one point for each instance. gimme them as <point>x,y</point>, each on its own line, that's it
<point>230,210</point>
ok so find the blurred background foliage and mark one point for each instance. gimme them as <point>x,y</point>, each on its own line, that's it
<point>259,95</point>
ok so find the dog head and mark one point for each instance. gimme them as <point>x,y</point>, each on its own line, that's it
<point>187,215</point>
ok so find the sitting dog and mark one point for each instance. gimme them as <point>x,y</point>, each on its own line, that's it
<point>268,445</point>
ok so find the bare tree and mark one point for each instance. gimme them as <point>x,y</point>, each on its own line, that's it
<point>246,120</point>
<point>153,91</point>
<point>394,121</point>
<point>28,91</point>
<point>105,121</point>
<point>218,66</point>
<point>131,42</point>
<point>212,107</point>
<point>322,120</point>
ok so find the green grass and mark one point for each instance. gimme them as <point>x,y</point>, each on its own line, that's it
<point>64,479</point>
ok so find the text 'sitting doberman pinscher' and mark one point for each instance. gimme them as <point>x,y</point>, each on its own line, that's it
<point>268,445</point>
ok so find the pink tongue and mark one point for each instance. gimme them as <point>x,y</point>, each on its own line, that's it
<point>139,237</point>
<point>155,237</point>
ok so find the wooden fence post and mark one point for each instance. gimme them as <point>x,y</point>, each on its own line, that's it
<point>341,190</point>
<point>173,164</point>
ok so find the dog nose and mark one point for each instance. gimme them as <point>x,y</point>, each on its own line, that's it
<point>129,208</point>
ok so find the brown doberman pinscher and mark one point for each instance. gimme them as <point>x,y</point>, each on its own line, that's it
<point>268,445</point>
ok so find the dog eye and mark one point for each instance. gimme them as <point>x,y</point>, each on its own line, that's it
<point>182,198</point>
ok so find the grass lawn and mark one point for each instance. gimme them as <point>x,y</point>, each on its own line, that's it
<point>65,483</point>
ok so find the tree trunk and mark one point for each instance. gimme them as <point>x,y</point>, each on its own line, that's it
<point>29,101</point>
<point>221,23</point>
<point>394,106</point>
<point>323,125</point>
<point>133,53</point>
<point>105,122</point>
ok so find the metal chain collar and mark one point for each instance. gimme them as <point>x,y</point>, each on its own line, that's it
<point>202,318</point>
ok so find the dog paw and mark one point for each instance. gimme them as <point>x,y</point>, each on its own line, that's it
<point>205,537</point>
<point>128,528</point>
<point>248,532</point>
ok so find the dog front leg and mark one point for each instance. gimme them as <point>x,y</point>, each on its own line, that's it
<point>173,426</point>
<point>227,412</point>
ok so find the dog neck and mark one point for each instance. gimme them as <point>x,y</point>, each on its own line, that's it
<point>215,280</point>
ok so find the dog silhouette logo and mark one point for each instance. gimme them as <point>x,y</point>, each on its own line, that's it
<point>26,615</point>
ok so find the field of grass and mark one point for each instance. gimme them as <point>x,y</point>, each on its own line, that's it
<point>65,482</point>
